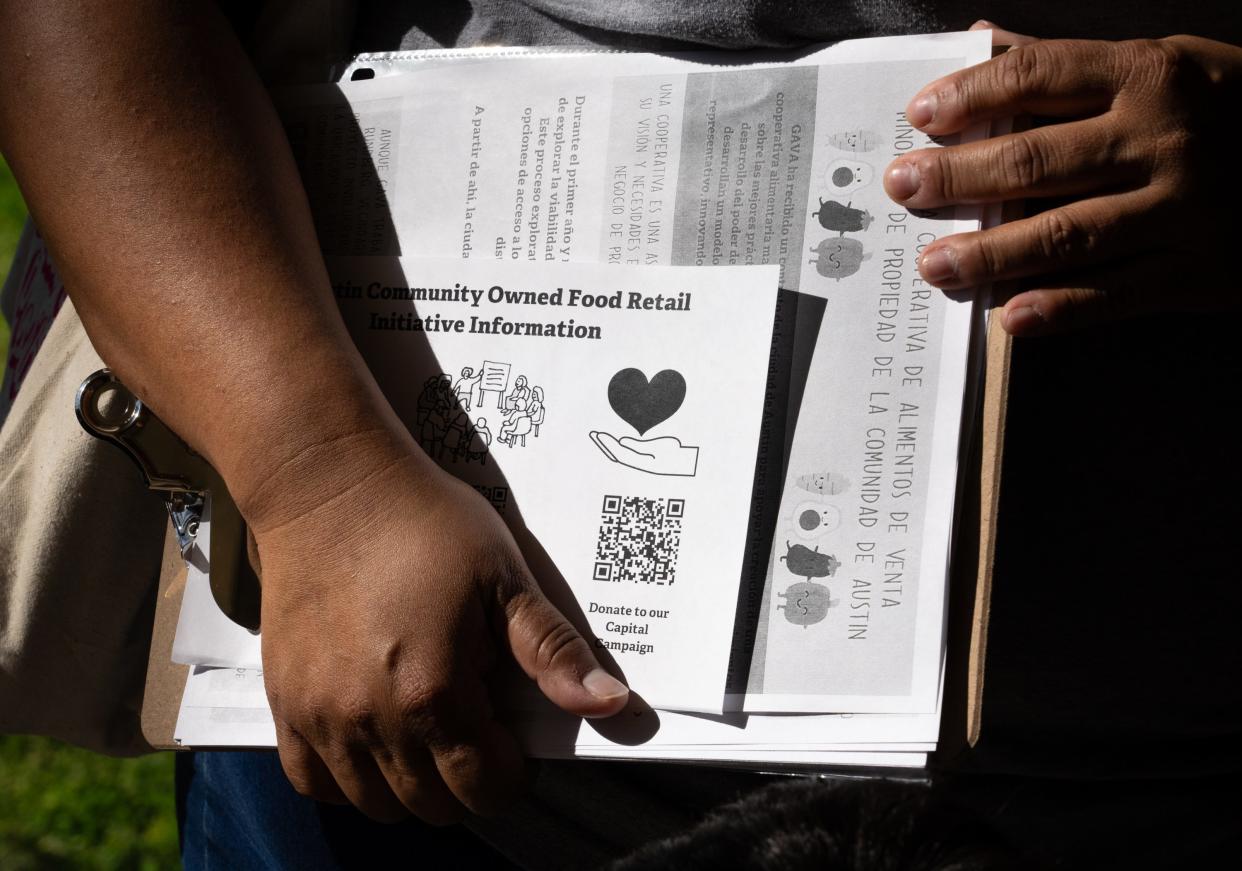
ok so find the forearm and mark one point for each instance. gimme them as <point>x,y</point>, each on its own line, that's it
<point>160,177</point>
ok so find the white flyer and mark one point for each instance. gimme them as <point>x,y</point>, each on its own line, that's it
<point>610,415</point>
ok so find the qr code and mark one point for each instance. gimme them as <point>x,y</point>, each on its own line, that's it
<point>498,496</point>
<point>638,540</point>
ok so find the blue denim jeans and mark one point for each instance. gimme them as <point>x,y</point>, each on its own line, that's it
<point>237,811</point>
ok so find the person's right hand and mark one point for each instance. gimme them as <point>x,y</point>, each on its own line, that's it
<point>390,592</point>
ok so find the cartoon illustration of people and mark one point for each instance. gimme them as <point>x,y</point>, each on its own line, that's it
<point>465,386</point>
<point>536,408</point>
<point>478,440</point>
<point>427,399</point>
<point>456,435</point>
<point>443,424</point>
<point>523,419</point>
<point>520,391</point>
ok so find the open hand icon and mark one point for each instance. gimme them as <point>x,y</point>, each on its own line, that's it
<point>660,456</point>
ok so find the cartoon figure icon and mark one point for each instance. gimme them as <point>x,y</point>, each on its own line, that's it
<point>644,404</point>
<point>478,439</point>
<point>807,563</point>
<point>443,422</point>
<point>834,216</point>
<point>465,386</point>
<point>855,140</point>
<point>823,483</point>
<point>839,257</point>
<point>806,603</point>
<point>846,175</point>
<point>813,519</point>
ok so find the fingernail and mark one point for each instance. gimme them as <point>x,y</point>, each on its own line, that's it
<point>602,685</point>
<point>1024,320</point>
<point>939,264</point>
<point>922,111</point>
<point>902,181</point>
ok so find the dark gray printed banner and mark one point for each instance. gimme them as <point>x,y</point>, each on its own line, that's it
<point>745,168</point>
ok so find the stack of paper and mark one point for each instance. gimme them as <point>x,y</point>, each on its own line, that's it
<point>661,313</point>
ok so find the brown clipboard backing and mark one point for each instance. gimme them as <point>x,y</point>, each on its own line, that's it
<point>166,679</point>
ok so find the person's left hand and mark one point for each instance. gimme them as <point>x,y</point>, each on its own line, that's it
<point>1138,162</point>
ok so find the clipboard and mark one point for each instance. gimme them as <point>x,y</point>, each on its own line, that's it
<point>969,580</point>
<point>969,596</point>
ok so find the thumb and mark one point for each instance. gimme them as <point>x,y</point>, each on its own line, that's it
<point>555,655</point>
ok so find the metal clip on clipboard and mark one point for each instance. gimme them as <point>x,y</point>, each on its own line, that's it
<point>109,411</point>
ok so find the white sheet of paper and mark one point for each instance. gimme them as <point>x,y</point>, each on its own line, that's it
<point>549,729</point>
<point>871,481</point>
<point>817,758</point>
<point>640,507</point>
<point>621,158</point>
<point>228,708</point>
<point>225,707</point>
<point>629,488</point>
<point>205,636</point>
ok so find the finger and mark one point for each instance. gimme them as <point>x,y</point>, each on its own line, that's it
<point>599,439</point>
<point>638,447</point>
<point>306,771</point>
<point>414,779</point>
<point>356,773</point>
<point>1074,236</point>
<point>1000,36</point>
<point>554,654</point>
<point>1060,160</point>
<point>1094,296</point>
<point>1055,78</point>
<point>484,769</point>
<point>1048,311</point>
<point>447,750</point>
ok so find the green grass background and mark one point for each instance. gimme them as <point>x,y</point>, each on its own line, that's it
<point>62,807</point>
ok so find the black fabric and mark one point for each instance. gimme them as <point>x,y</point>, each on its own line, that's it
<point>836,826</point>
<point>1114,648</point>
<point>655,25</point>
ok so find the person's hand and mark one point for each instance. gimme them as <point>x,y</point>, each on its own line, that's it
<point>391,591</point>
<point>665,455</point>
<point>1142,199</point>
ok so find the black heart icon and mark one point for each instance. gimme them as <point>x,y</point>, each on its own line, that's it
<point>642,403</point>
